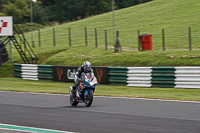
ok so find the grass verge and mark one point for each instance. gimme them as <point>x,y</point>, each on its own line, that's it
<point>74,56</point>
<point>17,84</point>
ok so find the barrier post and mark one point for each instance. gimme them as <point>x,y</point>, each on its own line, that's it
<point>69,30</point>
<point>86,43</point>
<point>138,40</point>
<point>96,40</point>
<point>106,47</point>
<point>190,40</point>
<point>54,38</point>
<point>39,41</point>
<point>163,39</point>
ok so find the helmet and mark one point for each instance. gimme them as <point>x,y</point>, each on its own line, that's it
<point>87,66</point>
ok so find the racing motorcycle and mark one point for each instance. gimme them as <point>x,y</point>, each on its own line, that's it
<point>84,91</point>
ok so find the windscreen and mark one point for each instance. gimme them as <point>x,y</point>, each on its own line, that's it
<point>90,75</point>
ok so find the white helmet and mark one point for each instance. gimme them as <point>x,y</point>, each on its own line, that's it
<point>87,66</point>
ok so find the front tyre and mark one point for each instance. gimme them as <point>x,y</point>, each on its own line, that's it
<point>89,99</point>
<point>73,101</point>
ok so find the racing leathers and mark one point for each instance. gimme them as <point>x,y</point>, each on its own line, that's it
<point>77,78</point>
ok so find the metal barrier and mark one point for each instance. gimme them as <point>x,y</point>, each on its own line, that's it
<point>45,72</point>
<point>163,77</point>
<point>33,71</point>
<point>187,77</point>
<point>139,76</point>
<point>172,77</point>
<point>117,75</point>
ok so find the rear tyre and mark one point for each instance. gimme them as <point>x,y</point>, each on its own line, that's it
<point>73,101</point>
<point>89,99</point>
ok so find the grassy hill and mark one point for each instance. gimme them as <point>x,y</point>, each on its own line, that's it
<point>157,14</point>
<point>174,16</point>
<point>150,18</point>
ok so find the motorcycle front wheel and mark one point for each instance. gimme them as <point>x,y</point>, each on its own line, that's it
<point>73,101</point>
<point>89,99</point>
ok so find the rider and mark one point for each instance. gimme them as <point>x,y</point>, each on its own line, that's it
<point>85,68</point>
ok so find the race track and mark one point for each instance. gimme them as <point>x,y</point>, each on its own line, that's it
<point>106,115</point>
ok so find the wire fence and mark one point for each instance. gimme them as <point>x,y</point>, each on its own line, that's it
<point>163,39</point>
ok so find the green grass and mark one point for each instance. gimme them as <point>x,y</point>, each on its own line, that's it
<point>174,16</point>
<point>17,84</point>
<point>150,18</point>
<point>99,57</point>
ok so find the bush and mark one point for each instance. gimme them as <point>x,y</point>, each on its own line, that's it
<point>27,27</point>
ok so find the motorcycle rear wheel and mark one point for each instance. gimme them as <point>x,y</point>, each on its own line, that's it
<point>89,99</point>
<point>73,101</point>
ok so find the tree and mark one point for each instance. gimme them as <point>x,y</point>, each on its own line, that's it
<point>19,9</point>
<point>126,3</point>
<point>60,10</point>
<point>94,7</point>
<point>40,14</point>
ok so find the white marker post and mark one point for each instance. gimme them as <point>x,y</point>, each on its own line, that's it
<point>6,26</point>
<point>6,29</point>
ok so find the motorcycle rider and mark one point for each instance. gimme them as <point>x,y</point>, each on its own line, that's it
<point>85,68</point>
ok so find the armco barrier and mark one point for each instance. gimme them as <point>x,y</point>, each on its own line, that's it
<point>163,77</point>
<point>33,71</point>
<point>173,77</point>
<point>187,77</point>
<point>55,73</point>
<point>139,76</point>
<point>45,72</point>
<point>118,75</point>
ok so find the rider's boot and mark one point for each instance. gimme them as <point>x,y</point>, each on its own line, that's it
<point>70,90</point>
<point>73,91</point>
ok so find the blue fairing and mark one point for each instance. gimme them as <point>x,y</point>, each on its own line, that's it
<point>84,87</point>
<point>87,90</point>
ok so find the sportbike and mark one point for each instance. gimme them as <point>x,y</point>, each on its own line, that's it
<point>84,91</point>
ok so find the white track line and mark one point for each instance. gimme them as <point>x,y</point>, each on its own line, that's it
<point>29,129</point>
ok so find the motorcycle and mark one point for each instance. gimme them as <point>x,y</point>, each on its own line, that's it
<point>84,91</point>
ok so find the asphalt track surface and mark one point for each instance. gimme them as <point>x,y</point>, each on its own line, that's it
<point>106,115</point>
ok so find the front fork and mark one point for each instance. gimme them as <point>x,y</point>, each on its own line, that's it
<point>70,90</point>
<point>86,93</point>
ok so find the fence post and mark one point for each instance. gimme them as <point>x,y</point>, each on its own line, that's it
<point>96,41</point>
<point>39,41</point>
<point>69,30</point>
<point>117,44</point>
<point>54,38</point>
<point>138,40</point>
<point>106,45</point>
<point>163,39</point>
<point>190,39</point>
<point>117,34</point>
<point>86,43</point>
